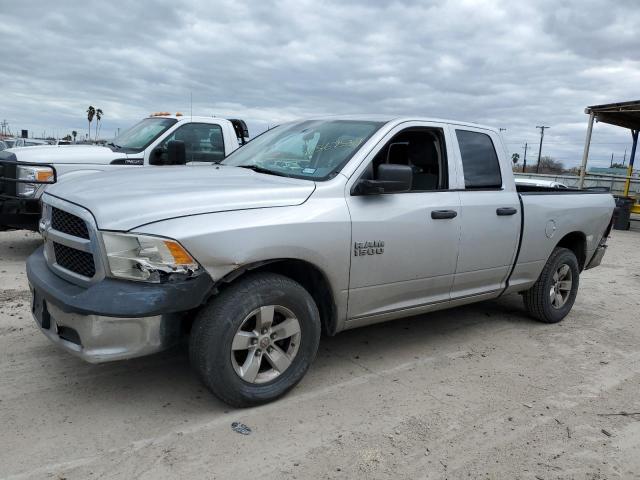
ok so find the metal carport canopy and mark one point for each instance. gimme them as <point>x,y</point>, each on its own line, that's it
<point>622,114</point>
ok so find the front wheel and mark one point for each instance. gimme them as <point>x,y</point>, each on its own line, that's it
<point>255,340</point>
<point>552,296</point>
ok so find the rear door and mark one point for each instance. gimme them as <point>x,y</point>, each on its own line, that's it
<point>403,254</point>
<point>490,216</point>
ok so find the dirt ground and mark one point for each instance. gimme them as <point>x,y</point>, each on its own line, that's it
<point>475,392</point>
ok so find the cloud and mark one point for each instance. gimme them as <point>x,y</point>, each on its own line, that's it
<point>508,64</point>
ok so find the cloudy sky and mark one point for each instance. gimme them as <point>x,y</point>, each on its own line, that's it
<point>504,63</point>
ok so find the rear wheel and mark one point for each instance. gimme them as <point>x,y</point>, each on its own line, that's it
<point>552,296</point>
<point>255,340</point>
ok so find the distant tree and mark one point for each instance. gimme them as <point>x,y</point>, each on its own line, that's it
<point>515,158</point>
<point>618,165</point>
<point>549,165</point>
<point>91,112</point>
<point>74,134</point>
<point>98,119</point>
<point>67,137</point>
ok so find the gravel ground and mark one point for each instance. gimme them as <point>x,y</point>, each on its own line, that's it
<point>478,391</point>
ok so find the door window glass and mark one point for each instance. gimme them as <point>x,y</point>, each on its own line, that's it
<point>204,143</point>
<point>423,150</point>
<point>479,160</point>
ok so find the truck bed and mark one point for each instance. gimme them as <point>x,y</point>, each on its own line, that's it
<point>550,216</point>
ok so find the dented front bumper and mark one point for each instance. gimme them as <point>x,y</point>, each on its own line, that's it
<point>111,319</point>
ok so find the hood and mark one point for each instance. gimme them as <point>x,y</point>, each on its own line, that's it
<point>126,199</point>
<point>66,154</point>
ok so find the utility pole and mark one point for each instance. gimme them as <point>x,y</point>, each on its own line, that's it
<point>524,164</point>
<point>611,163</point>
<point>4,126</point>
<point>503,129</point>
<point>624,159</point>
<point>542,128</point>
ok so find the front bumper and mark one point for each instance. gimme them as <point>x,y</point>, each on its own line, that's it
<point>15,211</point>
<point>111,319</point>
<point>19,213</point>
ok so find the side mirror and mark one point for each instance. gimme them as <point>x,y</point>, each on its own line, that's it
<point>176,153</point>
<point>392,178</point>
<point>156,156</point>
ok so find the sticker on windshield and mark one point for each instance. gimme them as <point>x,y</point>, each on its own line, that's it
<point>340,143</point>
<point>310,171</point>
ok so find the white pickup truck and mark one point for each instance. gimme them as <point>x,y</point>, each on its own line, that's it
<point>26,172</point>
<point>324,224</point>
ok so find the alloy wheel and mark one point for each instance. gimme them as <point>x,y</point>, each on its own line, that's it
<point>561,286</point>
<point>265,344</point>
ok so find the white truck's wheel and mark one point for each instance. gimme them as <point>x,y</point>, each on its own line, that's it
<point>256,339</point>
<point>552,296</point>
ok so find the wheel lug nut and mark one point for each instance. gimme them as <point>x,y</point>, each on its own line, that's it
<point>273,336</point>
<point>264,331</point>
<point>258,352</point>
<point>254,341</point>
<point>270,349</point>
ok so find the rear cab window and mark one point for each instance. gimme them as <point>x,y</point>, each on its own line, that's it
<point>479,161</point>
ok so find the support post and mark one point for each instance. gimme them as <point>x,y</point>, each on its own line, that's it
<point>627,184</point>
<point>585,154</point>
<point>540,149</point>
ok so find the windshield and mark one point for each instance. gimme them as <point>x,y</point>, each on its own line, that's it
<point>141,135</point>
<point>313,149</point>
<point>10,143</point>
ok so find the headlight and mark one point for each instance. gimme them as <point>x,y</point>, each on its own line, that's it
<point>145,258</point>
<point>35,174</point>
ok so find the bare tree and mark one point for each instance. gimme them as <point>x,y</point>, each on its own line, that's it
<point>549,165</point>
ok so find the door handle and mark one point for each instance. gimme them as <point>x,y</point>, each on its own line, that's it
<point>504,211</point>
<point>443,214</point>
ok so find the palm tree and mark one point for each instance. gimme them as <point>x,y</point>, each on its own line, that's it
<point>98,118</point>
<point>90,114</point>
<point>74,134</point>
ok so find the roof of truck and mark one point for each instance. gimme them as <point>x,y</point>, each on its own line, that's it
<point>180,116</point>
<point>401,119</point>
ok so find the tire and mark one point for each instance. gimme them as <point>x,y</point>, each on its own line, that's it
<point>235,315</point>
<point>538,300</point>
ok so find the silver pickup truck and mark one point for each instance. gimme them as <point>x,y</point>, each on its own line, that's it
<point>316,225</point>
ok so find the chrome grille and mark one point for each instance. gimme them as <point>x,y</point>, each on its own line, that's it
<point>67,223</point>
<point>74,260</point>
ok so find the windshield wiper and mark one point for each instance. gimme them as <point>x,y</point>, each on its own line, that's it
<point>259,169</point>
<point>113,145</point>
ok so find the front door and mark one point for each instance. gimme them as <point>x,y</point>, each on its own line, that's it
<point>405,245</point>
